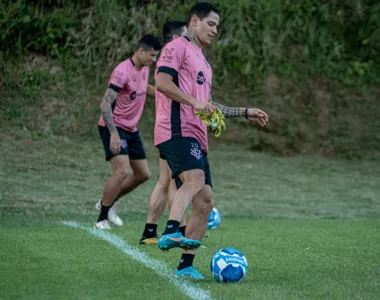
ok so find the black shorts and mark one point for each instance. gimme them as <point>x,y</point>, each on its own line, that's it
<point>184,154</point>
<point>131,143</point>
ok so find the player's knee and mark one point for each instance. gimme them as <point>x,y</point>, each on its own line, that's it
<point>121,174</point>
<point>204,203</point>
<point>208,204</point>
<point>205,209</point>
<point>142,177</point>
<point>164,182</point>
<point>163,186</point>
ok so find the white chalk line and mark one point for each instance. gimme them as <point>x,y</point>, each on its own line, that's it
<point>192,290</point>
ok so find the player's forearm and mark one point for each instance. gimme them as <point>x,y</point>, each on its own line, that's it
<point>151,90</point>
<point>170,90</point>
<point>106,109</point>
<point>231,112</point>
<point>108,118</point>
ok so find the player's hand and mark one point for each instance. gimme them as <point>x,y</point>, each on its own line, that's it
<point>203,107</point>
<point>258,116</point>
<point>115,143</point>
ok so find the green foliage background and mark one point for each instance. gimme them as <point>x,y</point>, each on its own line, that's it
<point>313,65</point>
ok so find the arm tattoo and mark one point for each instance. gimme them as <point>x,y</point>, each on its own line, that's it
<point>106,109</point>
<point>228,112</point>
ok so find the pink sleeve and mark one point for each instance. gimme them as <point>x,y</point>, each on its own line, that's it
<point>119,76</point>
<point>171,58</point>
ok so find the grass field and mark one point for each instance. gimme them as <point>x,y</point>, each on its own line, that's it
<point>309,227</point>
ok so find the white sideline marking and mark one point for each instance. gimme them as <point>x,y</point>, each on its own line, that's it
<point>191,290</point>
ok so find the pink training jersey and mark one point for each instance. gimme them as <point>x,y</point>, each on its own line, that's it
<point>185,62</point>
<point>130,101</point>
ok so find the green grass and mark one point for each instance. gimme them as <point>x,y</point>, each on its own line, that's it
<point>67,175</point>
<point>288,259</point>
<point>309,227</point>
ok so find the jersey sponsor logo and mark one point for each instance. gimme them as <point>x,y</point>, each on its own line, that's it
<point>168,57</point>
<point>169,51</point>
<point>201,79</point>
<point>134,94</point>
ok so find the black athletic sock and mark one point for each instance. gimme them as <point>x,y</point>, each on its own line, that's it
<point>103,213</point>
<point>171,227</point>
<point>150,230</point>
<point>182,230</point>
<point>186,261</point>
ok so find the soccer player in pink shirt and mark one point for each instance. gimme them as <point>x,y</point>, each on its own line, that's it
<point>121,110</point>
<point>165,188</point>
<point>183,87</point>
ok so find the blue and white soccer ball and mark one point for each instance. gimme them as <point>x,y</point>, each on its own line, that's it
<point>213,219</point>
<point>228,265</point>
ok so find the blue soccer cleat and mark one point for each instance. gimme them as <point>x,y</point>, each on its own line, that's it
<point>189,272</point>
<point>177,240</point>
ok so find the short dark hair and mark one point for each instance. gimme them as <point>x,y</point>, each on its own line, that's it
<point>202,10</point>
<point>148,42</point>
<point>172,27</point>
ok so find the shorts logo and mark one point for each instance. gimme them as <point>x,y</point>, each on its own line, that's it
<point>195,151</point>
<point>123,144</point>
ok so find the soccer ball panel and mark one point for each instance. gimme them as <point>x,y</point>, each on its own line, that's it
<point>228,265</point>
<point>232,273</point>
